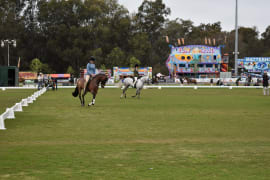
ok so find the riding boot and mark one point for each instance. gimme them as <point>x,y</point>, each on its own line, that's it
<point>134,84</point>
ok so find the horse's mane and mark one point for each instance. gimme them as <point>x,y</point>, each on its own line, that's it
<point>99,74</point>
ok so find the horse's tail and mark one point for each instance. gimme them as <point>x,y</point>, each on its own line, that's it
<point>76,92</point>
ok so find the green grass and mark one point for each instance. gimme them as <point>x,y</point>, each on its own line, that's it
<point>9,97</point>
<point>167,134</point>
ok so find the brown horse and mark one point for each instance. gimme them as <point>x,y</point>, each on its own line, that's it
<point>190,81</point>
<point>92,86</point>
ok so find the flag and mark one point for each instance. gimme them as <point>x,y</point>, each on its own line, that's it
<point>167,39</point>
<point>183,41</point>
<point>179,42</point>
<point>19,62</point>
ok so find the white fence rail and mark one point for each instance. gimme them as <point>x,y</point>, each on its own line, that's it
<point>18,107</point>
<point>158,87</point>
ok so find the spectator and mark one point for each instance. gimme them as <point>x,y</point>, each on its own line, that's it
<point>249,80</point>
<point>71,79</point>
<point>237,81</point>
<point>265,84</point>
<point>211,81</point>
<point>55,81</point>
<point>40,80</point>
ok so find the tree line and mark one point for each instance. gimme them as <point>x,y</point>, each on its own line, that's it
<point>63,34</point>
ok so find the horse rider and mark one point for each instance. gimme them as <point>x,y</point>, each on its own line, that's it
<point>136,75</point>
<point>91,71</point>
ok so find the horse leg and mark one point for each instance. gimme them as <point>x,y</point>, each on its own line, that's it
<point>135,94</point>
<point>139,93</point>
<point>93,100</point>
<point>80,96</point>
<point>123,93</point>
<point>84,93</point>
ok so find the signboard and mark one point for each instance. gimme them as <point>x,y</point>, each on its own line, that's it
<point>255,64</point>
<point>28,75</point>
<point>126,71</point>
<point>66,76</point>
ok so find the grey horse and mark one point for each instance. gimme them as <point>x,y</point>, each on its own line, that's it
<point>128,82</point>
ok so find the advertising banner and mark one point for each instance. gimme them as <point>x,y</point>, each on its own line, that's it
<point>28,75</point>
<point>255,64</point>
<point>126,71</point>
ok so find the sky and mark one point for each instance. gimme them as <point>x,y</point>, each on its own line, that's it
<point>251,12</point>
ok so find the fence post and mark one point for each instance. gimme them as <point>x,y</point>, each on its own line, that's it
<point>2,123</point>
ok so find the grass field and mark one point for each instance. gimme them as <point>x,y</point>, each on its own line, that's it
<point>167,134</point>
<point>9,97</point>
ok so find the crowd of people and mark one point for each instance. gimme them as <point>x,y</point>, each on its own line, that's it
<point>46,81</point>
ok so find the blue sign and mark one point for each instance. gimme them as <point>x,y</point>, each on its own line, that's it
<point>255,64</point>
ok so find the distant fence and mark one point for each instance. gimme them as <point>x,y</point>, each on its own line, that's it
<point>158,87</point>
<point>9,113</point>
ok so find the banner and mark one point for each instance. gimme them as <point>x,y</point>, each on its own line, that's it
<point>28,75</point>
<point>255,64</point>
<point>126,71</point>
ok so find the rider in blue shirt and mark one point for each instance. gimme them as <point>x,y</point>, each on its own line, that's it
<point>91,71</point>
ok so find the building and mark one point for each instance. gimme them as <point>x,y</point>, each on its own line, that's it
<point>196,61</point>
<point>9,76</point>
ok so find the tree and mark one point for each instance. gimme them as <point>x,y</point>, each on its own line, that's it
<point>151,16</point>
<point>103,67</point>
<point>133,61</point>
<point>116,58</point>
<point>150,19</point>
<point>36,65</point>
<point>266,42</point>
<point>46,69</point>
<point>70,70</point>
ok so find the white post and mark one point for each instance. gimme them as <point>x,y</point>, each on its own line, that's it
<point>2,123</point>
<point>24,102</point>
<point>10,113</point>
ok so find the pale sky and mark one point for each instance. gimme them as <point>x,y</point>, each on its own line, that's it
<point>251,12</point>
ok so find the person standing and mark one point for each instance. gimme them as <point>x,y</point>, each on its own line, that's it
<point>237,81</point>
<point>249,80</point>
<point>211,81</point>
<point>91,71</point>
<point>265,84</point>
<point>40,79</point>
<point>55,81</point>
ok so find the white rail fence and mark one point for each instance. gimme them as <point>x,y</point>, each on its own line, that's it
<point>18,107</point>
<point>157,87</point>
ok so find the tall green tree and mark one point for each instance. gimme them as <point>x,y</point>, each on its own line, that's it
<point>36,65</point>
<point>150,19</point>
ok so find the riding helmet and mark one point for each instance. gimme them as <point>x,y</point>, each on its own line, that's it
<point>92,58</point>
